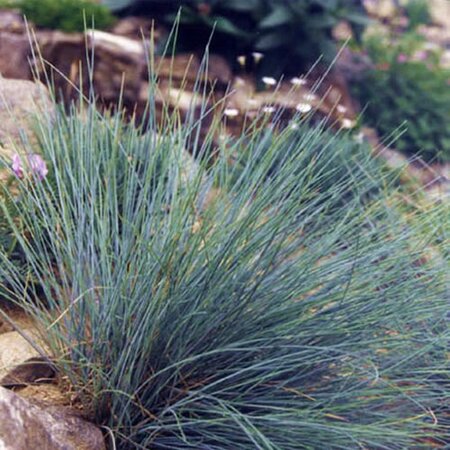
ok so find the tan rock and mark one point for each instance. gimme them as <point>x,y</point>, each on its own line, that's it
<point>381,8</point>
<point>26,426</point>
<point>12,20</point>
<point>120,65</point>
<point>118,68</point>
<point>14,47</point>
<point>16,350</point>
<point>14,56</point>
<point>21,103</point>
<point>440,12</point>
<point>186,68</point>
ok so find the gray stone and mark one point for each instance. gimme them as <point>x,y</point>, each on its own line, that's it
<point>26,426</point>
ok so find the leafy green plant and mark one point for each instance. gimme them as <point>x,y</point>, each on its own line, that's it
<point>418,13</point>
<point>233,305</point>
<point>66,15</point>
<point>408,85</point>
<point>290,34</point>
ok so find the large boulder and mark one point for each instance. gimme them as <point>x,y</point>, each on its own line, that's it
<point>118,71</point>
<point>15,49</point>
<point>21,102</point>
<point>26,426</point>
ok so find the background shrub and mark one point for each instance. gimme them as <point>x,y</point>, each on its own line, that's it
<point>408,85</point>
<point>418,13</point>
<point>65,15</point>
<point>290,34</point>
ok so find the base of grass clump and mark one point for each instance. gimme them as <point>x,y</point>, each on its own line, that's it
<point>292,309</point>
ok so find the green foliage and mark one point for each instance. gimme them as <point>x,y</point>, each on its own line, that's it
<point>290,34</point>
<point>233,305</point>
<point>418,13</point>
<point>409,85</point>
<point>65,15</point>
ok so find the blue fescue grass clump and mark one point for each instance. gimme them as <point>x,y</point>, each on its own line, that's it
<point>280,301</point>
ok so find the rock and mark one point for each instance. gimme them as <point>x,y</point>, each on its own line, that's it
<point>14,48</point>
<point>16,316</point>
<point>33,370</point>
<point>440,12</point>
<point>12,20</point>
<point>21,361</point>
<point>288,98</point>
<point>16,350</point>
<point>25,426</point>
<point>177,78</point>
<point>140,28</point>
<point>14,56</point>
<point>382,8</point>
<point>65,51</point>
<point>119,65</point>
<point>21,102</point>
<point>184,69</point>
<point>434,178</point>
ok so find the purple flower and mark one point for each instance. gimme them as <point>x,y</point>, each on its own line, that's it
<point>402,58</point>
<point>17,166</point>
<point>34,163</point>
<point>421,55</point>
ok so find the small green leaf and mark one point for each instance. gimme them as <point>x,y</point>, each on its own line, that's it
<point>271,41</point>
<point>226,26</point>
<point>279,16</point>
<point>357,19</point>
